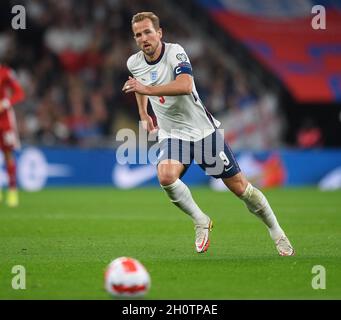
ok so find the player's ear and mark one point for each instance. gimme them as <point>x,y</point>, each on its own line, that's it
<point>160,32</point>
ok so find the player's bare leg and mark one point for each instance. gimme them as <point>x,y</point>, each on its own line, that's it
<point>12,194</point>
<point>1,194</point>
<point>259,206</point>
<point>169,172</point>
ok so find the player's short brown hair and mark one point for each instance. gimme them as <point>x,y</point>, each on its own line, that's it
<point>147,15</point>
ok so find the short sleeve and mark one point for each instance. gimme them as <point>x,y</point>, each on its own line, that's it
<point>179,61</point>
<point>129,64</point>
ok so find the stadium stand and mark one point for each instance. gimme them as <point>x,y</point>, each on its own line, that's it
<point>280,35</point>
<point>265,83</point>
<point>71,59</point>
<point>303,61</point>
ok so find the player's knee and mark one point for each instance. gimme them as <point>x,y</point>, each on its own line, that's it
<point>167,177</point>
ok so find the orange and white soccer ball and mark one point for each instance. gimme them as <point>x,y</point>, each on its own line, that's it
<point>126,277</point>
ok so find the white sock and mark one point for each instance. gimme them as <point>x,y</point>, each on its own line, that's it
<point>181,196</point>
<point>258,205</point>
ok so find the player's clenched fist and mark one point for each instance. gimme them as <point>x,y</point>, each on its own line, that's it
<point>148,124</point>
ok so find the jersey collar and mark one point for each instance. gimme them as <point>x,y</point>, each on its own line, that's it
<point>160,56</point>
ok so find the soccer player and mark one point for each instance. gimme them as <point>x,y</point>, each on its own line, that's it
<point>162,73</point>
<point>11,93</point>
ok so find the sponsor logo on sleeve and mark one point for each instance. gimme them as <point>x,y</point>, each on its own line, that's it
<point>182,57</point>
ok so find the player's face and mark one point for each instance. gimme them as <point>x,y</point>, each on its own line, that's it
<point>147,38</point>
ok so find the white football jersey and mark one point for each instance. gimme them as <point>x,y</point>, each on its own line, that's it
<point>184,116</point>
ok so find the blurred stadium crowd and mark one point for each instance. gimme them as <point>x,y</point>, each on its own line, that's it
<point>71,60</point>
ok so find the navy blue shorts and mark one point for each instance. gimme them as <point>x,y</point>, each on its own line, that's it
<point>212,154</point>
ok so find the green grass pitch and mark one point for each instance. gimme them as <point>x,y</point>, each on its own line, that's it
<point>65,238</point>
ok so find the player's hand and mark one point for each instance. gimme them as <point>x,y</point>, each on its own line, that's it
<point>4,105</point>
<point>2,108</point>
<point>133,85</point>
<point>148,124</point>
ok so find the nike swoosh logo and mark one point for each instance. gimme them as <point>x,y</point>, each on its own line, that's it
<point>125,177</point>
<point>228,169</point>
<point>35,156</point>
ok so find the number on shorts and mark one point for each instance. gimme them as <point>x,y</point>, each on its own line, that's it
<point>224,157</point>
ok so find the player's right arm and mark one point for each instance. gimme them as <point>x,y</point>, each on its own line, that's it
<point>147,121</point>
<point>142,100</point>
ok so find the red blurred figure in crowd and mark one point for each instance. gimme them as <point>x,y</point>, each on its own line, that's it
<point>11,93</point>
<point>309,135</point>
